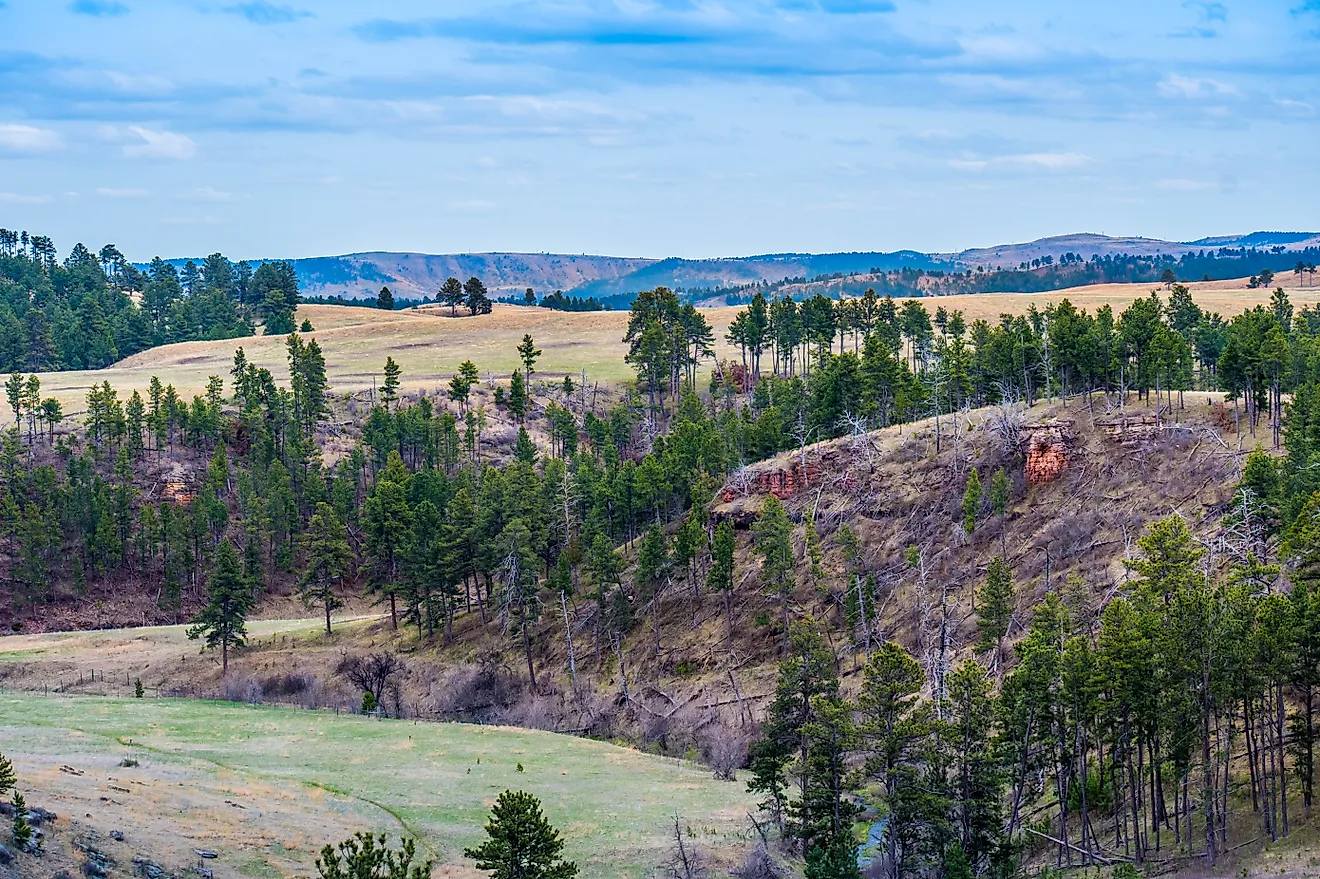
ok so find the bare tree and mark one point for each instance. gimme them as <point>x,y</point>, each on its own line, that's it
<point>374,673</point>
<point>685,862</point>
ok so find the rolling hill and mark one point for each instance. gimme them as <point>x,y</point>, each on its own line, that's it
<point>417,275</point>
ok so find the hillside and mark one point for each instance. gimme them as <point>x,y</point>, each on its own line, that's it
<point>1121,471</point>
<point>417,275</point>
<point>1087,244</point>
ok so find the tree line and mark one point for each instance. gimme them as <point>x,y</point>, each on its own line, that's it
<point>871,362</point>
<point>95,308</point>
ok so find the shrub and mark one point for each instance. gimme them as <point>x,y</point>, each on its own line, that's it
<point>24,839</point>
<point>368,857</point>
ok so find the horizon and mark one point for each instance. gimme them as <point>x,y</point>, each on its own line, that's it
<point>670,127</point>
<point>1199,242</point>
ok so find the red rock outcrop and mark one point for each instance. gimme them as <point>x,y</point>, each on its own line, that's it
<point>1047,447</point>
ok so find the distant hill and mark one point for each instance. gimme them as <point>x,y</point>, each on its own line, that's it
<point>417,275</point>
<point>1087,245</point>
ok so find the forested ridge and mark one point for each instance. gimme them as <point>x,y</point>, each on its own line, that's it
<point>1040,275</point>
<point>1068,718</point>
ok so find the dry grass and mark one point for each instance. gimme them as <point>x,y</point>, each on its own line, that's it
<point>429,345</point>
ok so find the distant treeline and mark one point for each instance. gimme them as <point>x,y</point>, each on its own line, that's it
<point>1042,275</point>
<point>366,303</point>
<point>95,308</point>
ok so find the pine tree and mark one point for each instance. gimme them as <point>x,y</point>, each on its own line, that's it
<point>971,504</point>
<point>774,543</point>
<point>527,353</point>
<point>385,299</point>
<point>22,831</point>
<point>387,521</point>
<point>451,294</point>
<point>653,563</point>
<point>326,542</point>
<point>521,843</point>
<point>518,396</point>
<point>389,391</point>
<point>994,609</point>
<point>222,622</point>
<point>720,576</point>
<point>807,674</point>
<point>8,777</point>
<point>523,448</point>
<point>460,386</point>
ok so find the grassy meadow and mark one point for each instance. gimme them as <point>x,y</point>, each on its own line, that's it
<point>266,787</point>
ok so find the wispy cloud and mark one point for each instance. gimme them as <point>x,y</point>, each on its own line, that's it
<point>98,8</point>
<point>1182,184</point>
<point>475,204</point>
<point>261,12</point>
<point>159,144</point>
<point>211,194</point>
<point>108,192</point>
<point>1177,86</point>
<point>1208,9</point>
<point>28,139</point>
<point>19,198</point>
<point>1050,161</point>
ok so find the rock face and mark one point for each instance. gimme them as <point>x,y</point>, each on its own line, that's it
<point>1047,447</point>
<point>1130,430</point>
<point>785,479</point>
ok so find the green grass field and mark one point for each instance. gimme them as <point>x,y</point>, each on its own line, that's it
<point>265,787</point>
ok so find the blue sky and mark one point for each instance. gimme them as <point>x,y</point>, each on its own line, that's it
<point>669,127</point>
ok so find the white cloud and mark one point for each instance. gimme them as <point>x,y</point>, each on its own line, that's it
<point>1053,161</point>
<point>1300,107</point>
<point>475,204</point>
<point>1182,184</point>
<point>1176,86</point>
<point>207,193</point>
<point>160,145</point>
<point>27,139</point>
<point>1048,161</point>
<point>17,198</point>
<point>121,193</point>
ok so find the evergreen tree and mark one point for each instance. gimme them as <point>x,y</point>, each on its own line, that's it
<point>389,391</point>
<point>995,609</point>
<point>8,778</point>
<point>385,299</point>
<point>774,543</point>
<point>451,294</point>
<point>326,543</point>
<point>387,521</point>
<point>720,576</point>
<point>527,353</point>
<point>521,843</point>
<point>222,622</point>
<point>518,396</point>
<point>23,835</point>
<point>971,504</point>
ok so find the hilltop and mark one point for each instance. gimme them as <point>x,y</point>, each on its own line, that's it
<point>416,275</point>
